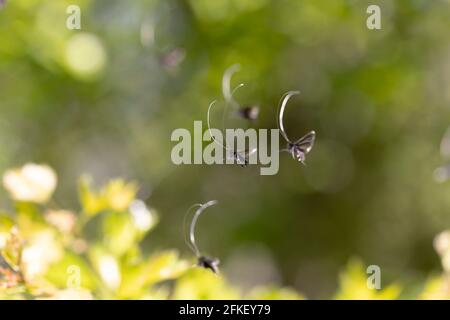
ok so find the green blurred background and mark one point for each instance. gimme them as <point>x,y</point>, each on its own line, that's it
<point>104,100</point>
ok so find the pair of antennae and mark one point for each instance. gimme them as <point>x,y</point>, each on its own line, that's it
<point>236,154</point>
<point>228,96</point>
<point>190,241</point>
<point>208,116</point>
<point>229,99</point>
<point>298,148</point>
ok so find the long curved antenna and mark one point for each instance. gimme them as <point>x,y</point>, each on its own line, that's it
<point>236,105</point>
<point>208,116</point>
<point>284,102</point>
<point>235,88</point>
<point>185,229</point>
<point>226,84</point>
<point>194,222</point>
<point>209,126</point>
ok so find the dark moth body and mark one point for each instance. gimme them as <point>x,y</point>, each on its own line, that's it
<point>242,158</point>
<point>297,152</point>
<point>249,112</point>
<point>209,263</point>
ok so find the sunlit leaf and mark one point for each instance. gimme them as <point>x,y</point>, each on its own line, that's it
<point>163,266</point>
<point>12,251</point>
<point>6,223</point>
<point>90,201</point>
<point>42,249</point>
<point>62,272</point>
<point>71,294</point>
<point>202,284</point>
<point>436,288</point>
<point>119,232</point>
<point>117,195</point>
<point>107,266</point>
<point>353,285</point>
<point>273,293</point>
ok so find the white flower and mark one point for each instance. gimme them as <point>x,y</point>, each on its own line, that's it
<point>442,246</point>
<point>143,219</point>
<point>442,242</point>
<point>32,182</point>
<point>63,220</point>
<point>109,271</point>
<point>41,251</point>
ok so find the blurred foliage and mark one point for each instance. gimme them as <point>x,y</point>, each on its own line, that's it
<point>353,285</point>
<point>45,253</point>
<point>104,100</point>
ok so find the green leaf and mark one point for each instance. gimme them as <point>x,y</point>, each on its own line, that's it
<point>273,293</point>
<point>162,266</point>
<point>119,233</point>
<point>62,274</point>
<point>353,285</point>
<point>202,284</point>
<point>117,195</point>
<point>107,266</point>
<point>6,223</point>
<point>436,288</point>
<point>12,251</point>
<point>90,201</point>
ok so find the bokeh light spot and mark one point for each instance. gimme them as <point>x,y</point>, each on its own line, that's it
<point>85,56</point>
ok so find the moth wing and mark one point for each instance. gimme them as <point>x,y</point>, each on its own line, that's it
<point>306,142</point>
<point>251,151</point>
